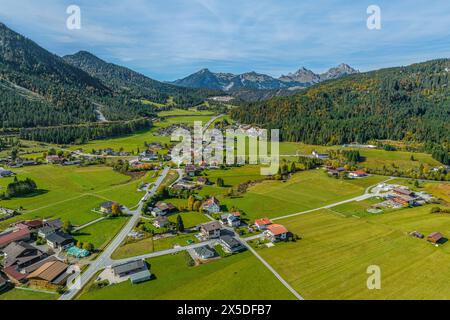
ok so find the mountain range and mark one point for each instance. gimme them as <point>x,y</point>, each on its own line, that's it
<point>229,82</point>
<point>39,88</point>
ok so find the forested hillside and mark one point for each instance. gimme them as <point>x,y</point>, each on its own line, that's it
<point>134,84</point>
<point>405,103</point>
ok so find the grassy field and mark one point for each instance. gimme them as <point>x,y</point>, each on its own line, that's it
<point>237,277</point>
<point>101,233</point>
<point>331,259</point>
<point>18,294</point>
<point>148,245</point>
<point>190,219</point>
<point>70,193</point>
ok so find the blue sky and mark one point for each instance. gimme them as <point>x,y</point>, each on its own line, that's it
<point>169,39</point>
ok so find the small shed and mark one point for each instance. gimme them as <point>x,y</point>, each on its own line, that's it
<point>435,237</point>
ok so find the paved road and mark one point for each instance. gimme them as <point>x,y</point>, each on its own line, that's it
<point>104,259</point>
<point>210,122</point>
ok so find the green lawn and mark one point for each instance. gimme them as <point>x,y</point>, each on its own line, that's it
<point>240,276</point>
<point>190,219</point>
<point>305,190</point>
<point>331,259</point>
<point>102,232</point>
<point>357,208</point>
<point>70,193</point>
<point>148,245</point>
<point>18,294</point>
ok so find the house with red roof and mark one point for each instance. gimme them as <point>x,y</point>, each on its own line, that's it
<point>276,232</point>
<point>261,224</point>
<point>17,235</point>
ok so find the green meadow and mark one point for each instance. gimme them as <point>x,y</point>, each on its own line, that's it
<point>101,233</point>
<point>240,276</point>
<point>19,294</point>
<point>303,191</point>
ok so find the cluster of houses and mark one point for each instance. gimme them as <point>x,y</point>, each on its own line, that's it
<point>434,237</point>
<point>25,262</point>
<point>213,231</point>
<point>332,171</point>
<point>397,196</point>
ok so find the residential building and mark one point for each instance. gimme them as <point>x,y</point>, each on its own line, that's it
<point>261,224</point>
<point>190,170</point>
<point>162,209</point>
<point>204,252</point>
<point>435,237</point>
<point>231,219</point>
<point>3,284</point>
<point>22,255</point>
<point>136,271</point>
<point>321,156</point>
<point>357,174</point>
<point>203,181</point>
<point>161,222</point>
<point>210,230</point>
<point>212,205</point>
<point>6,173</point>
<point>106,207</point>
<point>60,240</point>
<point>230,244</point>
<point>276,232</point>
<point>55,159</point>
<point>50,275</point>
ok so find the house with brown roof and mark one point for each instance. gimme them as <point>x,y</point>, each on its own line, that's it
<point>50,275</point>
<point>22,255</point>
<point>276,232</point>
<point>16,235</point>
<point>163,208</point>
<point>210,230</point>
<point>261,224</point>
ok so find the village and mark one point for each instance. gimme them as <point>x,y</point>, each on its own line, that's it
<point>177,213</point>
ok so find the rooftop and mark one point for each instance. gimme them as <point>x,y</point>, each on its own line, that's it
<point>277,229</point>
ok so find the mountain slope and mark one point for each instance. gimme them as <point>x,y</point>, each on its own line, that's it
<point>134,84</point>
<point>246,86</point>
<point>410,103</point>
<point>63,90</point>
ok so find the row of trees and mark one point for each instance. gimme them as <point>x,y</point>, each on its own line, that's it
<point>19,188</point>
<point>79,134</point>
